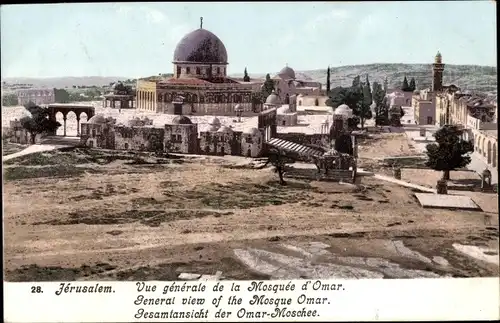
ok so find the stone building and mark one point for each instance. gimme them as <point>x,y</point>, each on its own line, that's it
<point>312,100</point>
<point>200,77</point>
<point>121,97</point>
<point>286,117</point>
<point>340,124</point>
<point>36,96</point>
<point>424,107</point>
<point>17,134</point>
<point>179,136</point>
<point>287,84</point>
<point>98,132</point>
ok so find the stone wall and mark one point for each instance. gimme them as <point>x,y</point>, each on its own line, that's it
<point>181,138</point>
<point>219,143</point>
<point>139,138</point>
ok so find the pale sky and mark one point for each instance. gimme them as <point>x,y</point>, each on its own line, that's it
<point>138,39</point>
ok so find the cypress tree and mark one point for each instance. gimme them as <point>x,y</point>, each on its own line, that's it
<point>413,85</point>
<point>405,85</point>
<point>328,80</point>
<point>246,78</point>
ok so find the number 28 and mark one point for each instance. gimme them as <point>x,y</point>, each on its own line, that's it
<point>36,289</point>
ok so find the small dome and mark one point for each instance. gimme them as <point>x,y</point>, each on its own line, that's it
<point>238,108</point>
<point>273,99</point>
<point>343,110</point>
<point>287,72</point>
<point>98,118</point>
<point>181,120</point>
<point>139,122</point>
<point>253,132</point>
<point>215,122</point>
<point>225,129</point>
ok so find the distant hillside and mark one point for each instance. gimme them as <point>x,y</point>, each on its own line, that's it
<point>63,82</point>
<point>467,77</point>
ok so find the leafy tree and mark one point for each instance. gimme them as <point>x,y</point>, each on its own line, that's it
<point>449,152</point>
<point>405,87</point>
<point>328,85</point>
<point>381,113</point>
<point>9,100</point>
<point>38,122</point>
<point>413,85</point>
<point>278,159</point>
<point>246,78</point>
<point>61,95</point>
<point>268,86</point>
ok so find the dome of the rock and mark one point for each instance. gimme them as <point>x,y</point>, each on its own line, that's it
<point>200,46</point>
<point>287,72</point>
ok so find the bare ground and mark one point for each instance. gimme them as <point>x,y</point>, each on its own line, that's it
<point>129,217</point>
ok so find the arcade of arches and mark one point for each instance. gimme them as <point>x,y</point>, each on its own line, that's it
<point>65,109</point>
<point>485,145</point>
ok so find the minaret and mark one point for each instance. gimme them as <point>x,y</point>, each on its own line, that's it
<point>437,73</point>
<point>201,22</point>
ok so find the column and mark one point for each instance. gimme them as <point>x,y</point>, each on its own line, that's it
<point>113,103</point>
<point>64,118</point>
<point>78,125</point>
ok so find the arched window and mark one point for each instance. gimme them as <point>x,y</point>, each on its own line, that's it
<point>188,70</point>
<point>160,97</point>
<point>178,71</point>
<point>126,146</point>
<point>198,71</point>
<point>218,70</point>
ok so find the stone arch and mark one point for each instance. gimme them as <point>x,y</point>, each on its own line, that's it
<point>483,146</point>
<point>60,116</point>
<point>488,152</point>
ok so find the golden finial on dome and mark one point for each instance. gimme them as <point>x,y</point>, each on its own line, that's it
<point>201,22</point>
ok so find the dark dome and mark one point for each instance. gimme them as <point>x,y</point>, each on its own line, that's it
<point>181,120</point>
<point>200,46</point>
